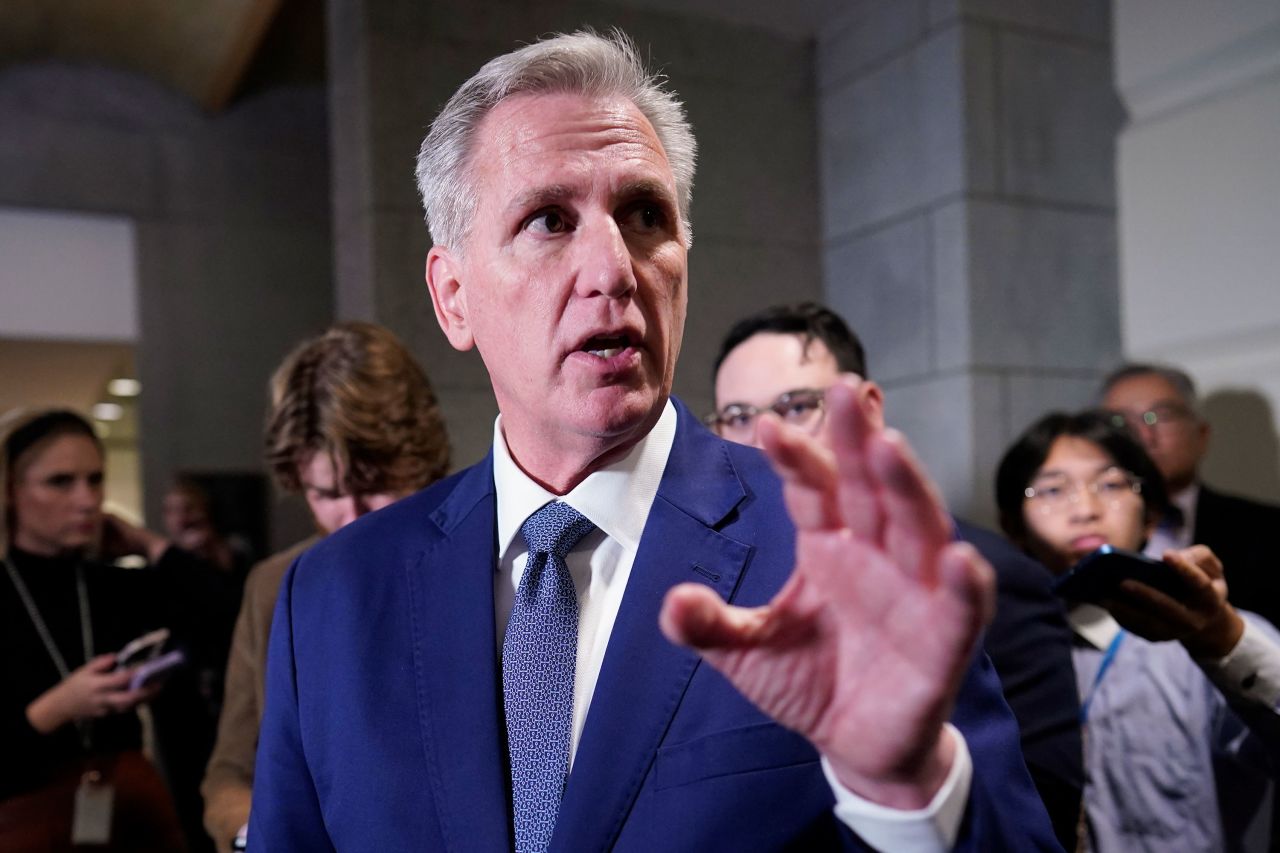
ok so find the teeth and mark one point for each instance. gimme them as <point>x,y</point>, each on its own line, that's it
<point>605,353</point>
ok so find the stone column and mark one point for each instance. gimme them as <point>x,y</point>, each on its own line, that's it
<point>968,206</point>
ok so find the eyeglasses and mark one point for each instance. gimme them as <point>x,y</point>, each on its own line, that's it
<point>1057,493</point>
<point>1166,415</point>
<point>802,407</point>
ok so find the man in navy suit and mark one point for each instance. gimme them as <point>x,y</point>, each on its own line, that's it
<point>759,662</point>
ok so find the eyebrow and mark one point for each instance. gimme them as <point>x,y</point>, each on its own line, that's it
<point>1058,472</point>
<point>541,197</point>
<point>645,188</point>
<point>554,193</point>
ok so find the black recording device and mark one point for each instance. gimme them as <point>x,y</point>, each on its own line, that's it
<point>1098,575</point>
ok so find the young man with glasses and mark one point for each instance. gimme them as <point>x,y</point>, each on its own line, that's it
<point>1159,405</point>
<point>782,360</point>
<point>1180,691</point>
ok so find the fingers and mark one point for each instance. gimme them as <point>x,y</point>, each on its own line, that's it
<point>970,582</point>
<point>693,615</point>
<point>850,426</point>
<point>808,474</point>
<point>1203,558</point>
<point>1201,574</point>
<point>101,663</point>
<point>916,526</point>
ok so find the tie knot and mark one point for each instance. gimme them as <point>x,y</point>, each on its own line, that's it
<point>555,529</point>
<point>1174,518</point>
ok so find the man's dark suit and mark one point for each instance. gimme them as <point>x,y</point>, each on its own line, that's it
<point>1029,642</point>
<point>1243,533</point>
<point>384,731</point>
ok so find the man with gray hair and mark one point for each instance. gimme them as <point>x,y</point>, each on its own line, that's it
<point>619,631</point>
<point>1160,404</point>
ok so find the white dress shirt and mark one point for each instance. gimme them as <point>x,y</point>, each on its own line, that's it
<point>617,499</point>
<point>1169,537</point>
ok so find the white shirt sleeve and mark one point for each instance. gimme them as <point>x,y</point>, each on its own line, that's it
<point>1250,672</point>
<point>932,829</point>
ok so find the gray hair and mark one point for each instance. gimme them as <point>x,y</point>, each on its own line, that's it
<point>1179,379</point>
<point>582,63</point>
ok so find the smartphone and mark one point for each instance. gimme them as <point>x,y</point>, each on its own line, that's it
<point>142,649</point>
<point>1098,575</point>
<point>156,669</point>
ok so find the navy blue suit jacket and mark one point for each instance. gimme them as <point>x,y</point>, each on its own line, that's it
<point>384,731</point>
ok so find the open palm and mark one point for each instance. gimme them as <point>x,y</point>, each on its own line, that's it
<point>863,650</point>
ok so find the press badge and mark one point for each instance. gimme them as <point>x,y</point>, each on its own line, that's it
<point>91,823</point>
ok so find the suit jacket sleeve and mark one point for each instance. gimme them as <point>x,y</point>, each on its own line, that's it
<point>286,809</point>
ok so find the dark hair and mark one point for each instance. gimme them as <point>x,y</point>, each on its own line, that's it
<point>1179,379</point>
<point>22,431</point>
<point>808,319</point>
<point>1025,457</point>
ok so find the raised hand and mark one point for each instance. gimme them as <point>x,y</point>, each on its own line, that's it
<point>863,650</point>
<point>1201,619</point>
<point>120,538</point>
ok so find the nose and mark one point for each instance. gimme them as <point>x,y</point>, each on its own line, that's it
<point>347,512</point>
<point>86,495</point>
<point>1086,505</point>
<point>605,265</point>
<point>360,505</point>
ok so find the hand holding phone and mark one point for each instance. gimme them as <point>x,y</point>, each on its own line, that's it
<point>155,670</point>
<point>142,649</point>
<point>1097,576</point>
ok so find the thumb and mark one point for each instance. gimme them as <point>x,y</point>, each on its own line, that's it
<point>102,663</point>
<point>693,615</point>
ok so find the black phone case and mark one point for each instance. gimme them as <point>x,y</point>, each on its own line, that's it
<point>1098,575</point>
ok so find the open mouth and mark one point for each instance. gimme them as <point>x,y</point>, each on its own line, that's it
<point>606,346</point>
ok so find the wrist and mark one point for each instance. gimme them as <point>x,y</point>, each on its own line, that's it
<point>1219,637</point>
<point>44,715</point>
<point>909,789</point>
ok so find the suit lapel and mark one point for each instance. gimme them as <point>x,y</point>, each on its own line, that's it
<point>455,662</point>
<point>644,677</point>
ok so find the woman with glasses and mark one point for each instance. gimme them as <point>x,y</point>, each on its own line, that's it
<point>1180,698</point>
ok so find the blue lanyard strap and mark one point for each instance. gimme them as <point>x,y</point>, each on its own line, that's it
<point>1108,657</point>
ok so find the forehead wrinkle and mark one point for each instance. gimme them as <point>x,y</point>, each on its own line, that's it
<point>509,134</point>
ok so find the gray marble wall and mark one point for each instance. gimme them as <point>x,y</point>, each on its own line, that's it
<point>232,218</point>
<point>968,216</point>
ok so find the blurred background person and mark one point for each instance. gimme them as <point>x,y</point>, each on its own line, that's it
<point>1160,405</point>
<point>192,524</point>
<point>67,716</point>
<point>1180,697</point>
<point>353,426</point>
<point>782,360</point>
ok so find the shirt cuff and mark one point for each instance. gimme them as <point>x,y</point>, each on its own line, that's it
<point>932,829</point>
<point>1250,671</point>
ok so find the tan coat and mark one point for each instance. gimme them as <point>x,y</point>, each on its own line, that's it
<point>228,781</point>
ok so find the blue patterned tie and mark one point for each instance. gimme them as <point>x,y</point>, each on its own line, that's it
<point>538,658</point>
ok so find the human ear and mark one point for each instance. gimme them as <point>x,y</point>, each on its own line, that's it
<point>449,297</point>
<point>874,396</point>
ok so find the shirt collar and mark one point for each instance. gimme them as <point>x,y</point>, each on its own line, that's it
<point>616,498</point>
<point>1093,624</point>
<point>1186,501</point>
